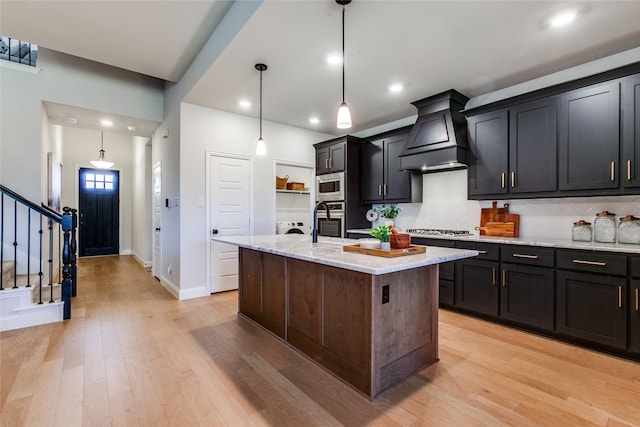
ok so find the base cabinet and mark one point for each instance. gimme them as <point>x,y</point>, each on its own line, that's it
<point>527,295</point>
<point>477,286</point>
<point>590,307</point>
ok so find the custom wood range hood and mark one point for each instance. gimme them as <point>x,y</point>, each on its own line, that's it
<point>438,139</point>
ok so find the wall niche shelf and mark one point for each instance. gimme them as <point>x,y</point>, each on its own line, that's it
<point>305,191</point>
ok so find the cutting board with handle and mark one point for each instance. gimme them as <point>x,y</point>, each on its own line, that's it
<point>503,229</point>
<point>495,221</point>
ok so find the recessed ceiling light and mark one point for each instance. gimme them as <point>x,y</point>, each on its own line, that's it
<point>334,59</point>
<point>106,122</point>
<point>314,120</point>
<point>72,120</point>
<point>131,128</point>
<point>396,87</point>
<point>244,103</point>
<point>563,18</point>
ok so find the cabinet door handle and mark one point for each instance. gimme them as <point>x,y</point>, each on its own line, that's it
<point>384,192</point>
<point>326,163</point>
<point>628,170</point>
<point>504,278</point>
<point>380,190</point>
<point>513,179</point>
<point>598,263</point>
<point>330,162</point>
<point>637,299</point>
<point>613,171</point>
<point>525,256</point>
<point>502,175</point>
<point>482,252</point>
<point>619,296</point>
<point>493,277</point>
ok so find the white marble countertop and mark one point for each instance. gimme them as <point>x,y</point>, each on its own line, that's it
<point>530,241</point>
<point>328,251</point>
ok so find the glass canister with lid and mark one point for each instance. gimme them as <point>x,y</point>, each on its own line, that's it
<point>604,227</point>
<point>629,230</point>
<point>581,231</point>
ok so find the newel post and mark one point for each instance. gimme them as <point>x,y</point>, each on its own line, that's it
<point>67,225</point>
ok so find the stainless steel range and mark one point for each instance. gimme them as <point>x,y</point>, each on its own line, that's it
<point>437,232</point>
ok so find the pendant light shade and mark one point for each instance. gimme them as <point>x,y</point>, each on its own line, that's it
<point>101,162</point>
<point>261,147</point>
<point>344,115</point>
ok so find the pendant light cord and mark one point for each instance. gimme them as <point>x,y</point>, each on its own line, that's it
<point>260,104</point>
<point>343,53</point>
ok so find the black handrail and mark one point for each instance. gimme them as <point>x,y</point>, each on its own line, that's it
<point>67,223</point>
<point>43,209</point>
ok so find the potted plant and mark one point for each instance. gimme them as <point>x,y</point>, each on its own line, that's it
<point>381,233</point>
<point>388,213</point>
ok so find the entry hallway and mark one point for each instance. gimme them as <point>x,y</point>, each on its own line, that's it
<point>133,355</point>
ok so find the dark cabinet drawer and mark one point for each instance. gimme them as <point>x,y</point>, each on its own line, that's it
<point>440,243</point>
<point>487,251</point>
<point>529,255</point>
<point>593,262</point>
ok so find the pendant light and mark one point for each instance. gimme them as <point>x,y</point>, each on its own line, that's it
<point>261,148</point>
<point>344,116</point>
<point>101,162</point>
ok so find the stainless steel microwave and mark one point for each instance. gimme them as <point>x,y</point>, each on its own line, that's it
<point>330,187</point>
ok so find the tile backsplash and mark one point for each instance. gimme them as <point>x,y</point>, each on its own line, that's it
<point>445,206</point>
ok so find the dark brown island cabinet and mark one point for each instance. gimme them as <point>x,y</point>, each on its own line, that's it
<point>370,330</point>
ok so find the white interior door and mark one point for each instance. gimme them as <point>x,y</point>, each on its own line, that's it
<point>156,269</point>
<point>229,215</point>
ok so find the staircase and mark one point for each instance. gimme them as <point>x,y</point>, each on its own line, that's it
<point>20,307</point>
<point>37,255</point>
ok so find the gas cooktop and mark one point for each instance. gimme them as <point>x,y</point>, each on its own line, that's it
<point>438,232</point>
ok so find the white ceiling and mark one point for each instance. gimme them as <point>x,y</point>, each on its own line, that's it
<point>429,46</point>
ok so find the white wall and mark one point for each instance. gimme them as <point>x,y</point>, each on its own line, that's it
<point>142,202</point>
<point>66,80</point>
<point>445,206</point>
<point>80,147</point>
<point>204,129</point>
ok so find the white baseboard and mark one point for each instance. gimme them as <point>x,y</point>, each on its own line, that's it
<point>200,291</point>
<point>143,263</point>
<point>126,252</point>
<point>170,286</point>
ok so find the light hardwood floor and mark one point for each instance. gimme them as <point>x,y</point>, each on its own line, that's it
<point>133,355</point>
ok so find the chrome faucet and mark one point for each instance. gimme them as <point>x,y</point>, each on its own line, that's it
<point>314,233</point>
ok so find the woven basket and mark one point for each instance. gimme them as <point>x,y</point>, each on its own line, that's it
<point>281,183</point>
<point>298,186</point>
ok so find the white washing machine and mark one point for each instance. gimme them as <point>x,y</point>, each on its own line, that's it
<point>290,227</point>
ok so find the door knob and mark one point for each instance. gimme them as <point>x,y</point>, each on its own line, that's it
<point>214,231</point>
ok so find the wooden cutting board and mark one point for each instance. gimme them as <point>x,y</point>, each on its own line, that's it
<point>411,250</point>
<point>497,216</point>
<point>493,214</point>
<point>503,229</point>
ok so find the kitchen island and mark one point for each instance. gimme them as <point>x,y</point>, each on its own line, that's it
<point>370,320</point>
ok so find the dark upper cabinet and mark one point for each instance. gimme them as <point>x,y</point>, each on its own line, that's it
<point>589,138</point>
<point>331,158</point>
<point>382,180</point>
<point>631,131</point>
<point>488,140</point>
<point>371,170</point>
<point>533,146</point>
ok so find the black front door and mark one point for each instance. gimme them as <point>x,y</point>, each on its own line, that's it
<point>99,205</point>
